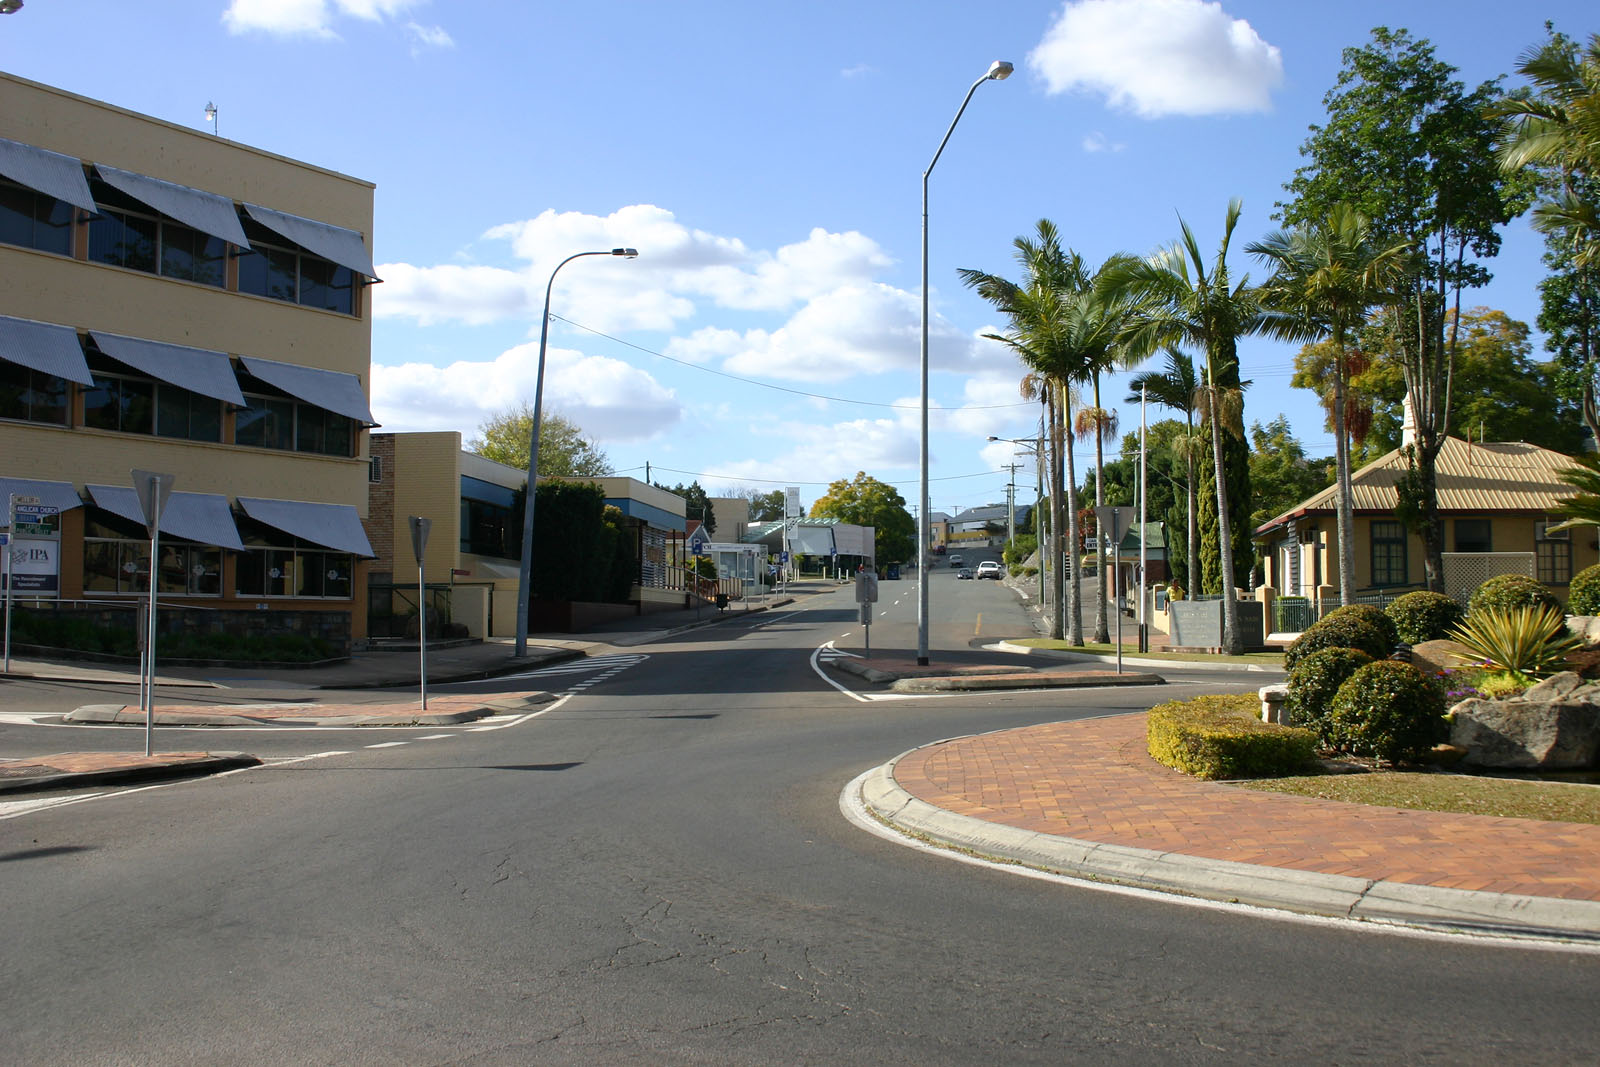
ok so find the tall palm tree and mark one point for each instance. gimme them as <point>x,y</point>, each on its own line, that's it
<point>1176,387</point>
<point>1558,128</point>
<point>1039,329</point>
<point>1183,300</point>
<point>1327,275</point>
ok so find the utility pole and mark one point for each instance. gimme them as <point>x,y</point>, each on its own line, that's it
<point>1011,507</point>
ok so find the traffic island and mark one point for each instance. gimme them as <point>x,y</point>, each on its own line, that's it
<point>442,711</point>
<point>905,675</point>
<point>70,770</point>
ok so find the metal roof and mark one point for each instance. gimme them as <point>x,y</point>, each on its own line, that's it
<point>331,242</point>
<point>1472,477</point>
<point>59,495</point>
<point>331,390</point>
<point>44,347</point>
<point>335,526</point>
<point>201,517</point>
<point>195,369</point>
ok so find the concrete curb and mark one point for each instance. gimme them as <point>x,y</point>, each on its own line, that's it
<point>213,763</point>
<point>1306,892</point>
<point>476,674</point>
<point>382,715</point>
<point>726,616</point>
<point>979,682</point>
<point>1136,661</point>
<point>861,670</point>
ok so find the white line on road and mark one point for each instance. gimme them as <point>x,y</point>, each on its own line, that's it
<point>389,744</point>
<point>524,718</point>
<point>437,737</point>
<point>12,808</point>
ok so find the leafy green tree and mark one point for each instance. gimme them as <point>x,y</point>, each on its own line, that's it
<point>1166,493</point>
<point>1280,473</point>
<point>1569,316</point>
<point>697,503</point>
<point>1175,386</point>
<point>1184,300</point>
<point>1407,146</point>
<point>765,507</point>
<point>1326,275</point>
<point>865,501</point>
<point>564,451</point>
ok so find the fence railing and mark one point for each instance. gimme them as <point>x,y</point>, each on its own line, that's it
<point>686,580</point>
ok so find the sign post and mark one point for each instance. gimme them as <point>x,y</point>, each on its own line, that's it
<point>866,596</point>
<point>419,542</point>
<point>1113,522</point>
<point>153,491</point>
<point>5,541</point>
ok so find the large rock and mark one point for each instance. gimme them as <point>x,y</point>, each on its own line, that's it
<point>1431,657</point>
<point>1553,726</point>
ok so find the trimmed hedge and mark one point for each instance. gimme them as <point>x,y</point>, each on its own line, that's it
<point>1373,615</point>
<point>1583,595</point>
<point>1315,681</point>
<point>1425,616</point>
<point>1223,737</point>
<point>1349,630</point>
<point>1506,591</point>
<point>1390,710</point>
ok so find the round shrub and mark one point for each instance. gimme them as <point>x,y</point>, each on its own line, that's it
<point>1370,613</point>
<point>1389,710</point>
<point>1340,631</point>
<point>1424,616</point>
<point>1583,595</point>
<point>1315,680</point>
<point>1507,591</point>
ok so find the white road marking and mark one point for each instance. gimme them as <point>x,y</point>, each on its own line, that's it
<point>12,808</point>
<point>518,720</point>
<point>437,737</point>
<point>865,698</point>
<point>389,744</point>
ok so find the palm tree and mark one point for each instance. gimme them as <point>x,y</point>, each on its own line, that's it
<point>1039,315</point>
<point>1182,300</point>
<point>1327,276</point>
<point>1177,388</point>
<point>1559,128</point>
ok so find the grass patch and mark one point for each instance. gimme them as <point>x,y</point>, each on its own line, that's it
<point>1265,659</point>
<point>1459,793</point>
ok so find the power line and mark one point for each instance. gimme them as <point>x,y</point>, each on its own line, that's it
<point>781,388</point>
<point>795,481</point>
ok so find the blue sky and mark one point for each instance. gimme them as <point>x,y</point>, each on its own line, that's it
<point>766,161</point>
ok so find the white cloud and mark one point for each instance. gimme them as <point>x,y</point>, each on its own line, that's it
<point>1159,57</point>
<point>307,18</point>
<point>858,70</point>
<point>612,400</point>
<point>429,36</point>
<point>1097,142</point>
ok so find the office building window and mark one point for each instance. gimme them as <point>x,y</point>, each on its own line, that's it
<point>1388,553</point>
<point>303,572</point>
<point>116,560</point>
<point>140,405</point>
<point>32,396</point>
<point>270,269</point>
<point>375,469</point>
<point>34,220</point>
<point>278,422</point>
<point>125,234</point>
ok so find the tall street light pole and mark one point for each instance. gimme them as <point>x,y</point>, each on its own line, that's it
<point>999,70</point>
<point>525,571</point>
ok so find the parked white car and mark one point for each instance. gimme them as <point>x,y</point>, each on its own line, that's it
<point>991,569</point>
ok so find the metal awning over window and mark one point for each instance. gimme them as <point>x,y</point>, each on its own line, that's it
<point>327,389</point>
<point>195,369</point>
<point>59,495</point>
<point>207,212</point>
<point>201,517</point>
<point>44,347</point>
<point>324,239</point>
<point>47,172</point>
<point>335,526</point>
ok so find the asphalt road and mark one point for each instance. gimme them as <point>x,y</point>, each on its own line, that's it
<point>656,870</point>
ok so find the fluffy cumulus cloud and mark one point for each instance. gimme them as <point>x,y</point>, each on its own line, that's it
<point>1159,57</point>
<point>316,18</point>
<point>836,450</point>
<point>610,399</point>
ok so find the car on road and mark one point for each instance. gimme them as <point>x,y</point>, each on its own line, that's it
<point>990,569</point>
<point>964,572</point>
<point>955,561</point>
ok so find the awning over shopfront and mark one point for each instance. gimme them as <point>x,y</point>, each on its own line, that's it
<point>335,526</point>
<point>327,389</point>
<point>209,213</point>
<point>47,172</point>
<point>201,517</point>
<point>331,242</point>
<point>44,347</point>
<point>59,495</point>
<point>196,369</point>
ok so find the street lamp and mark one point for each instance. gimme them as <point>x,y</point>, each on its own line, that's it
<point>525,571</point>
<point>211,116</point>
<point>999,70</point>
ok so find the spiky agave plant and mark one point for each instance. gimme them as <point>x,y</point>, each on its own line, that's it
<point>1523,643</point>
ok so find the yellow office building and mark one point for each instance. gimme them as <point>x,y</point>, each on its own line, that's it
<point>174,302</point>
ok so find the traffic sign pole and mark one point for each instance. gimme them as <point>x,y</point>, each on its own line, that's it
<point>419,544</point>
<point>11,508</point>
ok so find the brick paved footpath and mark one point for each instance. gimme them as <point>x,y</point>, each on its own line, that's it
<point>1092,780</point>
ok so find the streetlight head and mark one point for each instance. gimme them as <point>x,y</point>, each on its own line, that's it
<point>626,253</point>
<point>992,437</point>
<point>1000,70</point>
<point>10,7</point>
<point>211,111</point>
